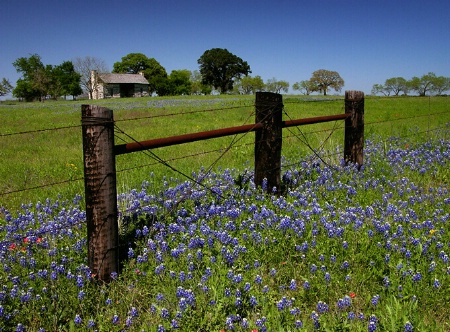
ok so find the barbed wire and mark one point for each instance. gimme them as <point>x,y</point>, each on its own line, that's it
<point>185,113</point>
<point>131,119</point>
<point>40,130</point>
<point>41,186</point>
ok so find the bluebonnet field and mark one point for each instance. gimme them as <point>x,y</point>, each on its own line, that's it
<point>340,250</point>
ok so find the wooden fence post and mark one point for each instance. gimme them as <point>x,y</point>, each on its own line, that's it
<point>354,128</point>
<point>100,190</point>
<point>268,140</point>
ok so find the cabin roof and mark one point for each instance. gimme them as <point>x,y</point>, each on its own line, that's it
<point>122,78</point>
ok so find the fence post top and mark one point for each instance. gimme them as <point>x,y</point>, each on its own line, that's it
<point>354,94</point>
<point>262,96</point>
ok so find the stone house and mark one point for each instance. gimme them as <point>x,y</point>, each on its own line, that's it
<point>107,85</point>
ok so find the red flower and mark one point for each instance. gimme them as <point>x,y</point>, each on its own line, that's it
<point>352,295</point>
<point>12,246</point>
<point>26,240</point>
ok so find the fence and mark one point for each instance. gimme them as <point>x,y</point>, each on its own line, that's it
<point>100,175</point>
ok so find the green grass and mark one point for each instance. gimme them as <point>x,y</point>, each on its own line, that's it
<point>39,158</point>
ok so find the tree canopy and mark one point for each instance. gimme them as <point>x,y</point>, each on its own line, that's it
<point>135,63</point>
<point>324,79</point>
<point>5,87</point>
<point>39,80</point>
<point>276,86</point>
<point>220,68</point>
<point>305,87</point>
<point>249,85</point>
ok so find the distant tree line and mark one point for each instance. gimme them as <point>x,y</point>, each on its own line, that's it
<point>428,83</point>
<point>220,71</point>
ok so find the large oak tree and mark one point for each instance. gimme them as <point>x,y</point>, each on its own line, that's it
<point>220,68</point>
<point>324,79</point>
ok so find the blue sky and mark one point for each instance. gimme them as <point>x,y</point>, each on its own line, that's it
<point>366,42</point>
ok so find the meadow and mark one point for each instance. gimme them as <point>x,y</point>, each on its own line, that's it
<point>340,250</point>
<point>32,156</point>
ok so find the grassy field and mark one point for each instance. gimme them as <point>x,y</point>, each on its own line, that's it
<point>43,157</point>
<point>340,250</point>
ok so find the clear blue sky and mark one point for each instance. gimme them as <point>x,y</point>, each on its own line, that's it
<point>365,41</point>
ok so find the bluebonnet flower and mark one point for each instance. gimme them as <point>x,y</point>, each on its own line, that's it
<point>375,300</point>
<point>295,311</point>
<point>115,320</point>
<point>128,321</point>
<point>174,324</point>
<point>372,326</point>
<point>164,313</point>
<point>253,301</point>
<point>244,323</point>
<point>386,282</point>
<point>81,294</point>
<point>417,277</point>
<point>315,317</point>
<point>340,304</point>
<point>351,315</point>
<point>229,323</point>
<point>306,285</point>
<point>134,312</point>
<point>77,320</point>
<point>237,278</point>
<point>322,307</point>
<point>298,324</point>
<point>90,323</point>
<point>258,279</point>
<point>182,304</point>
<point>436,283</point>
<point>238,302</point>
<point>409,327</point>
<point>20,328</point>
<point>293,285</point>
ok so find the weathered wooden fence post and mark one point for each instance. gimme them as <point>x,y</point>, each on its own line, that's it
<point>100,190</point>
<point>268,140</point>
<point>354,128</point>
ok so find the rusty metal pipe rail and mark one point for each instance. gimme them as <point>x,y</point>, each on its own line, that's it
<point>187,138</point>
<point>319,119</point>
